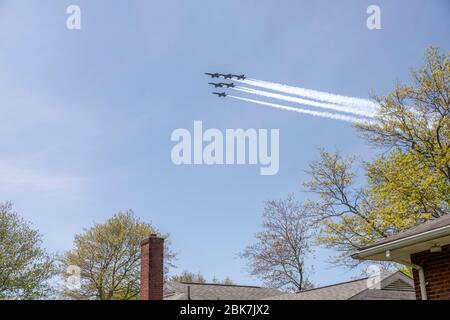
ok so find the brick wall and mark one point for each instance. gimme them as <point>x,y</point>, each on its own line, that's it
<point>436,267</point>
<point>152,268</point>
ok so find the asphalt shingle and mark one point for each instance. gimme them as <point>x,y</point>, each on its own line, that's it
<point>179,291</point>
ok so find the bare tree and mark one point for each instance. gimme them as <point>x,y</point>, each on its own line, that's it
<point>278,256</point>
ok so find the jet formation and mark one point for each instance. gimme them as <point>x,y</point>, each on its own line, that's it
<point>228,76</point>
<point>222,85</point>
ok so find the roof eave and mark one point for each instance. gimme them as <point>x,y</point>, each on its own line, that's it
<point>365,254</point>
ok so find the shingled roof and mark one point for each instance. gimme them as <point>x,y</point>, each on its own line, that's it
<point>392,286</point>
<point>209,291</point>
<point>431,225</point>
<point>396,286</point>
<point>434,233</point>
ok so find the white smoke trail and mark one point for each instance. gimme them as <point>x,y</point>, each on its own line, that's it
<point>328,115</point>
<point>362,104</point>
<point>312,103</point>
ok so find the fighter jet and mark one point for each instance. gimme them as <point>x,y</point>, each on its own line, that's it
<point>220,94</point>
<point>216,85</point>
<point>227,76</point>
<point>222,84</point>
<point>213,75</point>
<point>228,85</point>
<point>239,77</point>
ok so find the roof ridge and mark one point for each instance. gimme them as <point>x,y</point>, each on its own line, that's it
<point>384,276</point>
<point>410,232</point>
<point>422,224</point>
<point>221,284</point>
<point>332,285</point>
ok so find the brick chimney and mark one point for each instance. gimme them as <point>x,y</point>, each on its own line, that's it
<point>152,268</point>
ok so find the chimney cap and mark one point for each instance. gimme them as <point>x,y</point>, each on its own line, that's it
<point>152,237</point>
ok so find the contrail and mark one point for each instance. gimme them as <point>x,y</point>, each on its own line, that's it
<point>313,94</point>
<point>328,115</point>
<point>312,103</point>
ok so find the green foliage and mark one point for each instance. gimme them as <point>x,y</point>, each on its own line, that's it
<point>108,256</point>
<point>226,281</point>
<point>409,183</point>
<point>343,211</point>
<point>190,277</point>
<point>413,179</point>
<point>25,267</point>
<point>187,276</point>
<point>405,191</point>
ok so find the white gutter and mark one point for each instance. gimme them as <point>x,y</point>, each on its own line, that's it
<point>422,283</point>
<point>404,242</point>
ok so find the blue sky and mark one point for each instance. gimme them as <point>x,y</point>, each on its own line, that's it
<point>86,116</point>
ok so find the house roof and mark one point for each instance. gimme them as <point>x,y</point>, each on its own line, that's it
<point>209,291</point>
<point>391,286</point>
<point>416,239</point>
<point>395,285</point>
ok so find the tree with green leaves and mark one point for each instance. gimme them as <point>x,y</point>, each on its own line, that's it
<point>408,184</point>
<point>226,281</point>
<point>105,263</point>
<point>26,269</point>
<point>413,129</point>
<point>187,276</point>
<point>190,277</point>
